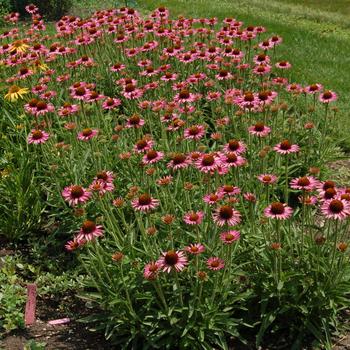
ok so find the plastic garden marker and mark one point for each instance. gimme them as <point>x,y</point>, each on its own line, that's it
<point>29,316</point>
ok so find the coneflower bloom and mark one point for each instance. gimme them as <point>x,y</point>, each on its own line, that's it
<point>152,157</point>
<point>231,160</point>
<point>145,203</point>
<point>294,88</point>
<point>267,179</point>
<point>111,103</point>
<point>195,248</point>
<point>235,146</point>
<point>173,261</point>
<point>151,270</point>
<point>185,96</point>
<point>336,209</point>
<point>143,145</point>
<point>215,263</point>
<point>283,65</point>
<point>250,197</point>
<point>15,92</point>
<point>207,163</point>
<point>135,122</point>
<point>305,183</point>
<point>75,243</point>
<point>38,136</point>
<point>106,176</point>
<point>194,218</point>
<point>278,210</point>
<point>195,132</point>
<point>313,89</point>
<point>75,194</point>
<point>327,96</point>
<point>179,161</point>
<point>42,108</point>
<point>212,198</point>
<point>285,147</point>
<point>87,134</point>
<point>101,187</point>
<point>68,109</point>
<point>230,236</point>
<point>228,190</point>
<point>24,72</point>
<point>308,200</point>
<point>89,231</point>
<point>259,129</point>
<point>226,215</point>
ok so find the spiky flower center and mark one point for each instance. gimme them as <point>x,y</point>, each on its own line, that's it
<point>259,127</point>
<point>87,132</point>
<point>285,145</point>
<point>152,154</point>
<point>171,258</point>
<point>77,191</point>
<point>88,226</point>
<point>208,160</point>
<point>145,199</point>
<point>233,145</point>
<point>226,212</point>
<point>178,158</point>
<point>277,208</point>
<point>304,181</point>
<point>37,134</point>
<point>336,206</point>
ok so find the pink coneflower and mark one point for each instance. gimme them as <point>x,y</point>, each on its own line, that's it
<point>308,200</point>
<point>118,67</point>
<point>106,176</point>
<point>235,146</point>
<point>131,92</point>
<point>179,161</point>
<point>75,194</point>
<point>215,263</point>
<point>31,8</point>
<point>89,231</point>
<point>228,190</point>
<point>135,122</point>
<point>224,75</point>
<point>285,147</point>
<point>42,108</point>
<point>294,88</point>
<point>143,145</point>
<point>283,65</point>
<point>185,96</point>
<point>87,134</point>
<point>75,243</point>
<point>262,69</point>
<point>261,59</point>
<point>80,93</point>
<point>305,183</point>
<point>231,160</point>
<point>37,136</point>
<point>151,270</point>
<point>195,248</point>
<point>173,261</point>
<point>212,198</point>
<point>111,103</point>
<point>194,218</point>
<point>259,129</point>
<point>207,163</point>
<point>168,76</point>
<point>278,210</point>
<point>313,89</point>
<point>101,186</point>
<point>145,203</point>
<point>195,132</point>
<point>275,40</point>
<point>336,209</point>
<point>152,157</point>
<point>226,215</point>
<point>230,236</point>
<point>267,179</point>
<point>250,197</point>
<point>165,180</point>
<point>24,73</point>
<point>327,96</point>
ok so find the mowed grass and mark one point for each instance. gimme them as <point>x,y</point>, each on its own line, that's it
<point>316,37</point>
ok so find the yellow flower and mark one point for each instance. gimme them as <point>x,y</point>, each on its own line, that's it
<point>15,92</point>
<point>19,46</point>
<point>41,66</point>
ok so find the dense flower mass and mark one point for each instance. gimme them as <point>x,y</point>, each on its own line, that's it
<point>184,145</point>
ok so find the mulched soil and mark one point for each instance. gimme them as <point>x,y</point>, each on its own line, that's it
<point>73,335</point>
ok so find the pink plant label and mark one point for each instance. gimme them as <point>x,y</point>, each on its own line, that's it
<point>29,316</point>
<point>59,321</point>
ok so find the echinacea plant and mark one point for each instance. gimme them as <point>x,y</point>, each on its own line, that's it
<point>188,170</point>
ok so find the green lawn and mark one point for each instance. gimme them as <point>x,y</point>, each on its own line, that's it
<point>316,37</point>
